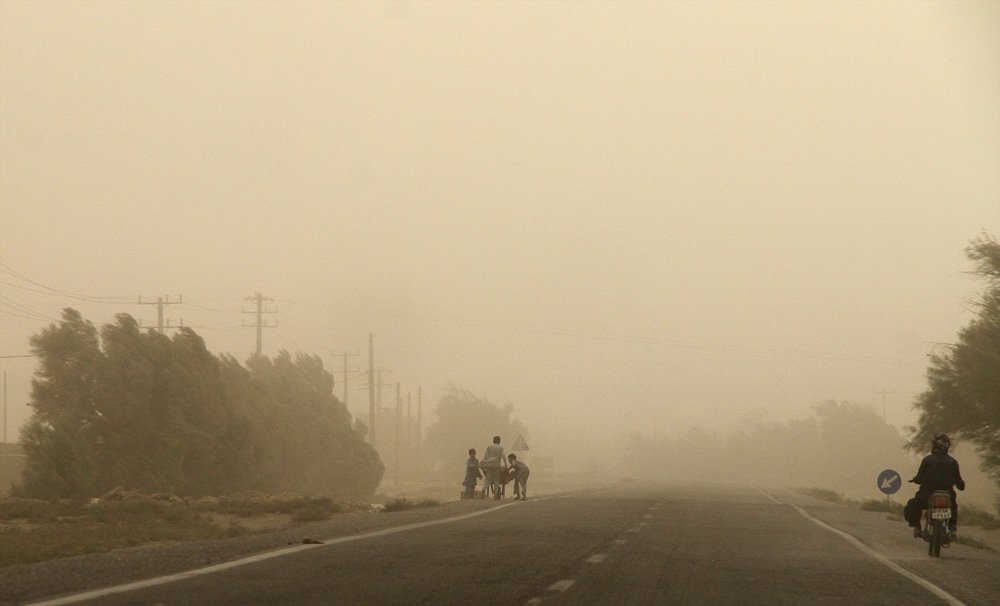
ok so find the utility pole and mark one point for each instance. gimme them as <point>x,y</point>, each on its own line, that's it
<point>884,393</point>
<point>5,407</point>
<point>346,372</point>
<point>371,389</point>
<point>160,303</point>
<point>399,416</point>
<point>260,324</point>
<point>378,390</point>
<point>409,435</point>
<point>420,467</point>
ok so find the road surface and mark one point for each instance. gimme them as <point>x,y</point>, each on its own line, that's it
<point>620,546</point>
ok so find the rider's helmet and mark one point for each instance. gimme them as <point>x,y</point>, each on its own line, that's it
<point>941,443</point>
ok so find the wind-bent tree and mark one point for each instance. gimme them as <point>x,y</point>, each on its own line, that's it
<point>60,437</point>
<point>137,409</point>
<point>963,395</point>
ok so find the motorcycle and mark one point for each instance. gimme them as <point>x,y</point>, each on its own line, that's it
<point>936,521</point>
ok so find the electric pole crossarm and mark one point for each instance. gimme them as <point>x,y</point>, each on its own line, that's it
<point>260,324</point>
<point>160,303</point>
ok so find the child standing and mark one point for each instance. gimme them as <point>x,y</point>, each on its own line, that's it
<point>520,472</point>
<point>472,474</point>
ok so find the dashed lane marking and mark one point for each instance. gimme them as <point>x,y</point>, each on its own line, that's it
<point>562,585</point>
<point>597,558</point>
<point>97,593</point>
<point>931,587</point>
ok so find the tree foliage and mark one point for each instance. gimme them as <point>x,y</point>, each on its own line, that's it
<point>464,420</point>
<point>963,395</point>
<point>842,447</point>
<point>137,409</point>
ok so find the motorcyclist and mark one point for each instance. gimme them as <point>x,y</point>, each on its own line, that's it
<point>937,471</point>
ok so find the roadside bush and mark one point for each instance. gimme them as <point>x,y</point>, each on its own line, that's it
<point>973,516</point>
<point>820,493</point>
<point>881,505</point>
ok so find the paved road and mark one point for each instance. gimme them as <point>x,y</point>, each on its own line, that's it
<point>623,546</point>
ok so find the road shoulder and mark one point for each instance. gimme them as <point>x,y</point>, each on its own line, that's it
<point>969,573</point>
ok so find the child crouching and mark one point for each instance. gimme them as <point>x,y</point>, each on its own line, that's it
<point>520,473</point>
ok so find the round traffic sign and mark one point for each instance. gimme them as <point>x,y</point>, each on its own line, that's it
<point>889,481</point>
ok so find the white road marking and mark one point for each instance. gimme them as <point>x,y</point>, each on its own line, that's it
<point>931,587</point>
<point>562,585</point>
<point>597,558</point>
<point>770,497</point>
<point>534,602</point>
<point>620,541</point>
<point>97,593</point>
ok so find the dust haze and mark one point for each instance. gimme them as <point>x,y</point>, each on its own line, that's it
<point>625,219</point>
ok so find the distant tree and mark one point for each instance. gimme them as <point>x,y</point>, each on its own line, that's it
<point>855,445</point>
<point>464,420</point>
<point>841,447</point>
<point>963,395</point>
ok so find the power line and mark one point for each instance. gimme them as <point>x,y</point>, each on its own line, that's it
<point>21,309</point>
<point>65,293</point>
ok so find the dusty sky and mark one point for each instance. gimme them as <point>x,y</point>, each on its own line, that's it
<point>615,215</point>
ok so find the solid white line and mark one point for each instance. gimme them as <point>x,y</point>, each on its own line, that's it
<point>562,585</point>
<point>597,558</point>
<point>931,587</point>
<point>770,497</point>
<point>97,593</point>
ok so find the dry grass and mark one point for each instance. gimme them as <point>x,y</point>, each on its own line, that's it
<point>34,530</point>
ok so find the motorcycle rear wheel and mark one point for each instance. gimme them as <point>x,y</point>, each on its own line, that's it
<point>937,538</point>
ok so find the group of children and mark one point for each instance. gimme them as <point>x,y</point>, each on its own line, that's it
<point>494,462</point>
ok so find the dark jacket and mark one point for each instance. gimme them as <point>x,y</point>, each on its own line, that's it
<point>939,471</point>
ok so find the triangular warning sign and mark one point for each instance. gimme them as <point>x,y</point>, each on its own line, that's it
<point>520,444</point>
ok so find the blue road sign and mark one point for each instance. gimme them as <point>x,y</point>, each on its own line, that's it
<point>889,481</point>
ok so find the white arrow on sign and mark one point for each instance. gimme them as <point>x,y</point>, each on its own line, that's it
<point>888,482</point>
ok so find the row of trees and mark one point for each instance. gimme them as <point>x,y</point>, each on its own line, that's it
<point>842,447</point>
<point>963,395</point>
<point>133,408</point>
